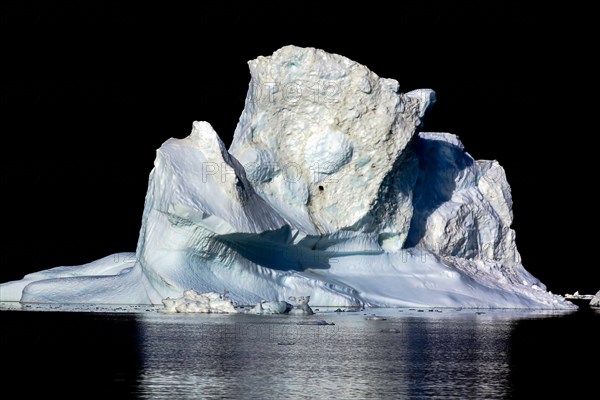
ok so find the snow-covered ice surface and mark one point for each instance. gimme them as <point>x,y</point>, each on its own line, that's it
<point>327,190</point>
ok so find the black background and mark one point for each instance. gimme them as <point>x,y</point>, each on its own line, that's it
<point>91,90</point>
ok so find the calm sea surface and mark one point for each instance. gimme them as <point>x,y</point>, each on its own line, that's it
<point>444,353</point>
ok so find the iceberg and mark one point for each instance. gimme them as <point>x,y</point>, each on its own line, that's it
<point>329,189</point>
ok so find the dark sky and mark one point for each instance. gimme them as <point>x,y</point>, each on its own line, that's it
<point>93,90</point>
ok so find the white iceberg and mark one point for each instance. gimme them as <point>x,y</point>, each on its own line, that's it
<point>328,189</point>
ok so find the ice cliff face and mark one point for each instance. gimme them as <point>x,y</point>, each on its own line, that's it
<point>595,302</point>
<point>328,190</point>
<point>316,124</point>
<point>462,207</point>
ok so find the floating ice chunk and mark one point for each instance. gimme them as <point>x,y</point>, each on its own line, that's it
<point>315,322</point>
<point>271,307</point>
<point>375,318</point>
<point>301,306</point>
<point>193,302</point>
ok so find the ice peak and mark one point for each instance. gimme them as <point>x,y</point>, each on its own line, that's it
<point>327,124</point>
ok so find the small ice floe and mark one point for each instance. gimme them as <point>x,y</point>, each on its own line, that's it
<point>271,307</point>
<point>315,322</point>
<point>578,296</point>
<point>300,307</point>
<point>375,318</point>
<point>194,302</point>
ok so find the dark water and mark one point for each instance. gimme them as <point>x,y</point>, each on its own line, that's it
<point>448,354</point>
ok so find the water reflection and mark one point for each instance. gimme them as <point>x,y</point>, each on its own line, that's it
<point>458,358</point>
<point>450,354</point>
<point>455,355</point>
